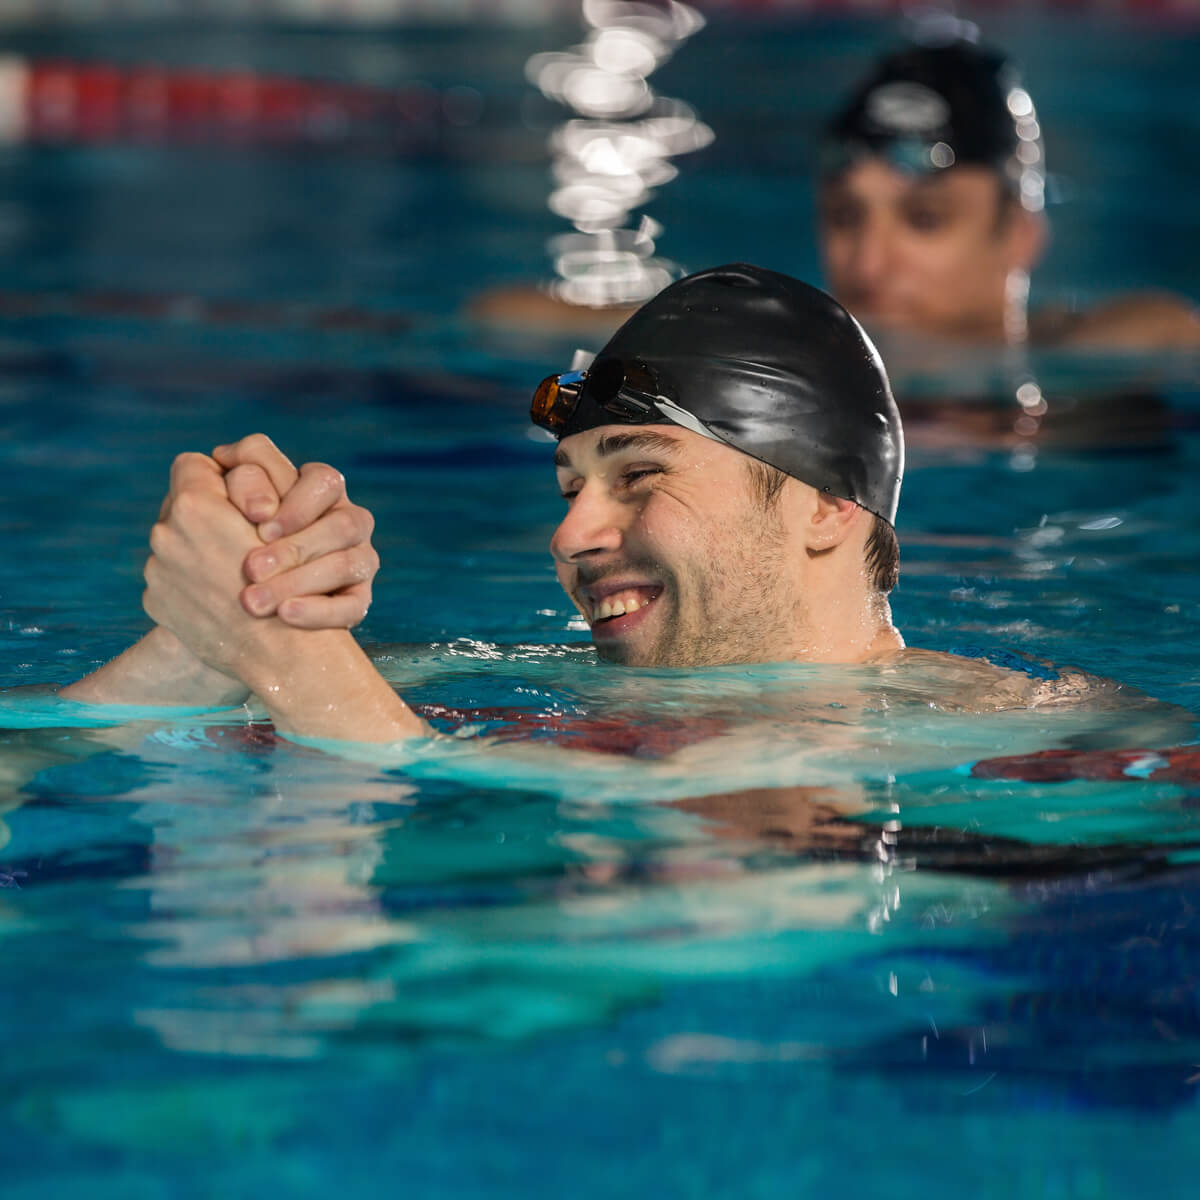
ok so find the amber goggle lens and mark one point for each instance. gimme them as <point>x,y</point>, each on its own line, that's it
<point>555,400</point>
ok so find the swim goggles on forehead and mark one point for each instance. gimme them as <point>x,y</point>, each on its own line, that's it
<point>915,156</point>
<point>631,393</point>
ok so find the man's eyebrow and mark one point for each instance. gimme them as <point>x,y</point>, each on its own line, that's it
<point>616,443</point>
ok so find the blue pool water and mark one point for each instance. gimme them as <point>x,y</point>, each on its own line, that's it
<point>235,966</point>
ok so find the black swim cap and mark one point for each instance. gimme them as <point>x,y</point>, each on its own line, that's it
<point>765,363</point>
<point>928,107</point>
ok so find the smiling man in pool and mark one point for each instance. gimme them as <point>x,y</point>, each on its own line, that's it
<point>731,463</point>
<point>930,211</point>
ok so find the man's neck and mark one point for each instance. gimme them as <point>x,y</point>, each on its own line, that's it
<point>850,633</point>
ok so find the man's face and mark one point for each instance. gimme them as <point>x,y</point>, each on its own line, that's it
<point>667,550</point>
<point>923,253</point>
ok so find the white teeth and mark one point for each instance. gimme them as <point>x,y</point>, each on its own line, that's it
<point>618,606</point>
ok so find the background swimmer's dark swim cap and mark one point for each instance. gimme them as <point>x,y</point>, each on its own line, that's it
<point>769,365</point>
<point>928,107</point>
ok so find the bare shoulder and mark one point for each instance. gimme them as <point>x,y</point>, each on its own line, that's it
<point>528,307</point>
<point>955,683</point>
<point>1151,320</point>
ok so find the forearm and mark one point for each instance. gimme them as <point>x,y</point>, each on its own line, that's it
<point>158,669</point>
<point>320,684</point>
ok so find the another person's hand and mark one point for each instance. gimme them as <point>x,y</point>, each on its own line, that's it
<point>316,566</point>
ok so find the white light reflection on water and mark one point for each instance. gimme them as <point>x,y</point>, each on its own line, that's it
<point>614,152</point>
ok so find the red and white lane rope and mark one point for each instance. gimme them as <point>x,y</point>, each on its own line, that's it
<point>46,101</point>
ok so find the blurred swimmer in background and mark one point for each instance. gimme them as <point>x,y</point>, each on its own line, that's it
<point>931,210</point>
<point>931,198</point>
<point>931,218</point>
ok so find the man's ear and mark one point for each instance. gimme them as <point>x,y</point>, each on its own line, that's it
<point>830,521</point>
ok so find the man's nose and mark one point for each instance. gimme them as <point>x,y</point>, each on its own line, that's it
<point>592,527</point>
<point>871,252</point>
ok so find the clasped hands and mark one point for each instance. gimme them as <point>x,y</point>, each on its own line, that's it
<point>246,545</point>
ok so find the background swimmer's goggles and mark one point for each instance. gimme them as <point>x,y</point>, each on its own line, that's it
<point>915,156</point>
<point>631,393</point>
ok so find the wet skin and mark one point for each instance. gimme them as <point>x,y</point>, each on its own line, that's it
<point>924,253</point>
<point>664,524</point>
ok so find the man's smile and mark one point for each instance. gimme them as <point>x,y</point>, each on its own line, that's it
<point>611,606</point>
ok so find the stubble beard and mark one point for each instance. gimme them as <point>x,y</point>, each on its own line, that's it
<point>741,613</point>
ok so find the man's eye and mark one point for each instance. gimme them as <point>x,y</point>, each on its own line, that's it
<point>570,495</point>
<point>634,474</point>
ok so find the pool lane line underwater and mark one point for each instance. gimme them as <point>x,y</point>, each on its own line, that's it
<point>61,102</point>
<point>192,310</point>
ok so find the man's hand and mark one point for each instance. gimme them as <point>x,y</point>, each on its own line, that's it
<point>315,573</point>
<point>316,568</point>
<point>194,576</point>
<point>316,683</point>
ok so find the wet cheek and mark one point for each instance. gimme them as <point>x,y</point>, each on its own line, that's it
<point>929,284</point>
<point>951,259</point>
<point>661,521</point>
<point>917,259</point>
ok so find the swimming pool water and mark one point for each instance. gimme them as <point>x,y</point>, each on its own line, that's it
<point>235,965</point>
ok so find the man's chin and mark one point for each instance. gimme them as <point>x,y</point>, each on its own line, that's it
<point>620,653</point>
<point>630,654</point>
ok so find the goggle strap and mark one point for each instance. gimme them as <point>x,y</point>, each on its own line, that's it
<point>684,419</point>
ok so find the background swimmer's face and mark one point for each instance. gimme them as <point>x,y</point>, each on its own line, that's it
<point>924,253</point>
